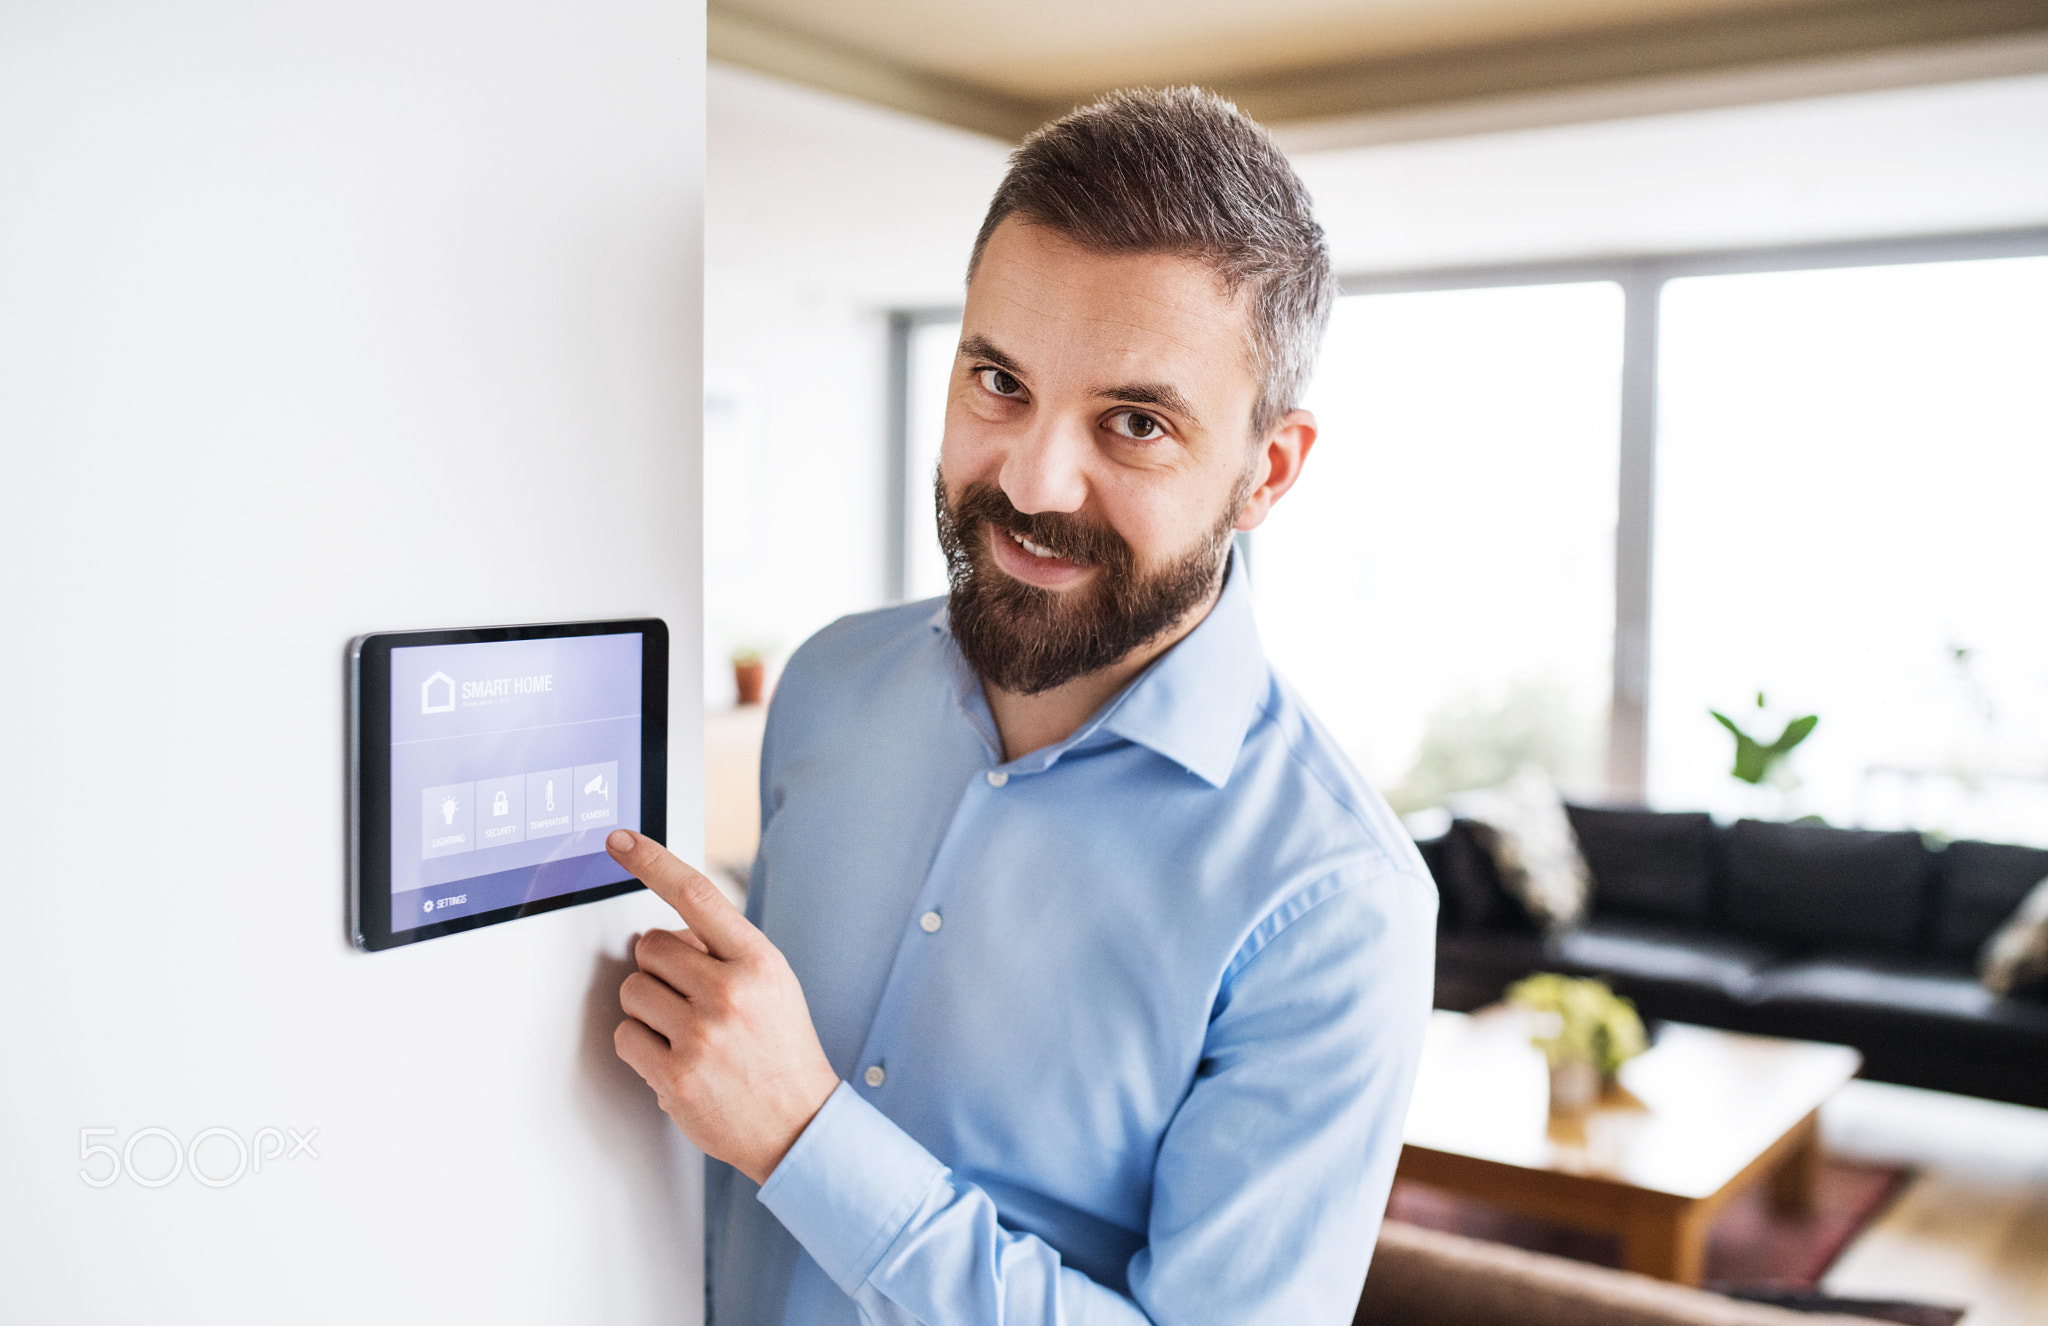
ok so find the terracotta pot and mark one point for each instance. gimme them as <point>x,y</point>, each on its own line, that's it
<point>747,679</point>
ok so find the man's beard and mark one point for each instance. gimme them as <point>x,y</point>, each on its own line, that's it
<point>1025,639</point>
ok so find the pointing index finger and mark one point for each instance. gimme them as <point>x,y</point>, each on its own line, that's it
<point>725,932</point>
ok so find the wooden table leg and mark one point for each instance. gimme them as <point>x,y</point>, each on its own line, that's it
<point>1668,1242</point>
<point>1794,1182</point>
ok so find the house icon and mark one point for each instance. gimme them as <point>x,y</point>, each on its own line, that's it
<point>447,694</point>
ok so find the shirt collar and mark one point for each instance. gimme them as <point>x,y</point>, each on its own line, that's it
<point>1193,705</point>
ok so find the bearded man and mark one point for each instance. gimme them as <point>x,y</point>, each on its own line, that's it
<point>1082,978</point>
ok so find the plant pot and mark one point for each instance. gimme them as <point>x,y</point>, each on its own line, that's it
<point>747,679</point>
<point>1574,1086</point>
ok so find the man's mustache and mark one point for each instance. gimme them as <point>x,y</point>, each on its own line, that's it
<point>1067,535</point>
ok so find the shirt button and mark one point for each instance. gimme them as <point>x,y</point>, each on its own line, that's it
<point>874,1077</point>
<point>931,921</point>
<point>996,778</point>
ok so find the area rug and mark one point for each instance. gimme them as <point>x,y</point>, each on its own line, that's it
<point>1751,1250</point>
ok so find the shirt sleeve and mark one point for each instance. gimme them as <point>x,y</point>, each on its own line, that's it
<point>1270,1181</point>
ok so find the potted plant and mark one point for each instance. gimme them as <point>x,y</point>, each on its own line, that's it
<point>1764,765</point>
<point>1585,1030</point>
<point>749,673</point>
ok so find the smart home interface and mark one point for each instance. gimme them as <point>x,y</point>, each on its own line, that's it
<point>509,762</point>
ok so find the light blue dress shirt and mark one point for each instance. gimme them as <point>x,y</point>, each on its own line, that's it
<point>1126,1027</point>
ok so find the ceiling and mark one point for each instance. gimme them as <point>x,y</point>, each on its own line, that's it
<point>1004,72</point>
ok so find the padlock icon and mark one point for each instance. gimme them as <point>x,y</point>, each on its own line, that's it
<point>500,806</point>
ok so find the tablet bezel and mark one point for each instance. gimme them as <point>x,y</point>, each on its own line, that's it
<point>369,776</point>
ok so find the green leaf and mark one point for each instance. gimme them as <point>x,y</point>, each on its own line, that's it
<point>1752,761</point>
<point>1795,732</point>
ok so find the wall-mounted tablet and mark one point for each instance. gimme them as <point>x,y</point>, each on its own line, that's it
<point>488,766</point>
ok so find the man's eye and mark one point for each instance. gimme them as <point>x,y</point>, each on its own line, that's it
<point>1130,423</point>
<point>999,382</point>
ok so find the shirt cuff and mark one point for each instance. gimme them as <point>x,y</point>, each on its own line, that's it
<point>849,1185</point>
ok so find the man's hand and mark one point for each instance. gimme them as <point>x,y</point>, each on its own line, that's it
<point>716,1022</point>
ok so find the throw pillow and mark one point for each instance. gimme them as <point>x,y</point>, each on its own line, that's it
<point>1523,826</point>
<point>2017,955</point>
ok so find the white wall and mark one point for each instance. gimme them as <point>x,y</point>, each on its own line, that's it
<point>314,320</point>
<point>823,214</point>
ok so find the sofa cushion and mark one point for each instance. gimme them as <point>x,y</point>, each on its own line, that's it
<point>1917,1021</point>
<point>1812,884</point>
<point>1432,852</point>
<point>1475,967</point>
<point>1892,987</point>
<point>1468,885</point>
<point>1629,952</point>
<point>1646,862</point>
<point>1981,886</point>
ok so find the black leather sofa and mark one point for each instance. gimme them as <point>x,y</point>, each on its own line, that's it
<point>1849,936</point>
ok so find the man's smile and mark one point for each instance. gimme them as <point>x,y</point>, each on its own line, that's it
<point>1030,547</point>
<point>1034,563</point>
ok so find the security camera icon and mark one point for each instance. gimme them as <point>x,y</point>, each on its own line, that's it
<point>596,787</point>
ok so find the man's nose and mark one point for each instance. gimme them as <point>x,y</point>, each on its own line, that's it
<point>1045,469</point>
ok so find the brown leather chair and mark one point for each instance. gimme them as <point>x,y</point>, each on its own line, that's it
<point>1421,1277</point>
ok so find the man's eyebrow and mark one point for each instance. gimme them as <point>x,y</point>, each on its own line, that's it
<point>980,347</point>
<point>1164,395</point>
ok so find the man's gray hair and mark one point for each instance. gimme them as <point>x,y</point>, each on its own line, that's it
<point>1183,171</point>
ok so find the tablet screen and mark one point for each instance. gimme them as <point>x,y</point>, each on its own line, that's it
<point>510,762</point>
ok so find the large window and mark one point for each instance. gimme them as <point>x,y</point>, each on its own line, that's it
<point>1441,584</point>
<point>1852,520</point>
<point>1557,516</point>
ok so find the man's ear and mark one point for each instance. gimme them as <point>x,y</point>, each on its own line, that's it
<point>1279,463</point>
